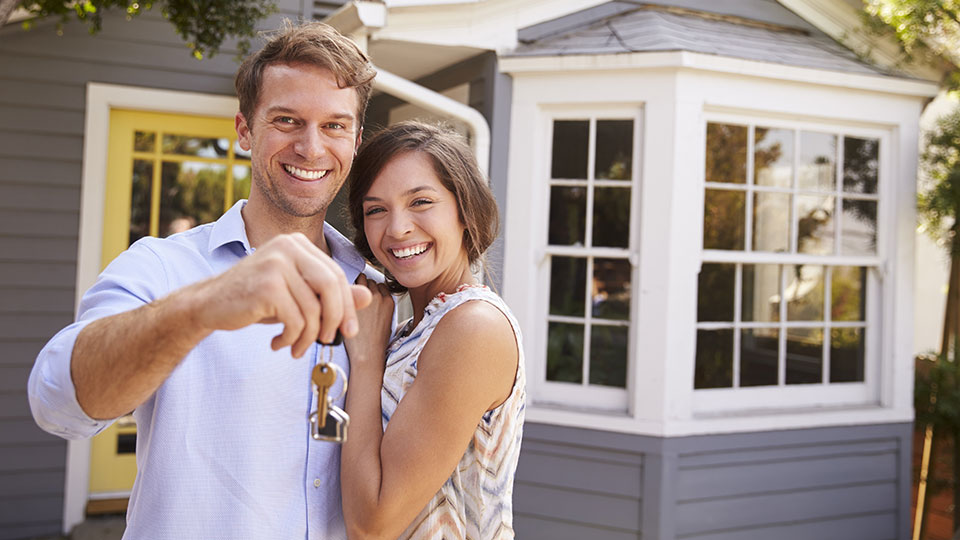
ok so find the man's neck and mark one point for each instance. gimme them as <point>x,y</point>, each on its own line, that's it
<point>262,224</point>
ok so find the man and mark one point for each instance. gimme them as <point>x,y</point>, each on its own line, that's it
<point>174,328</point>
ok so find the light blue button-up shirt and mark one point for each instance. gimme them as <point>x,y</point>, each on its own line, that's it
<point>223,446</point>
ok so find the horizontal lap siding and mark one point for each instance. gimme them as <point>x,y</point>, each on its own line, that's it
<point>847,490</point>
<point>43,81</point>
<point>576,490</point>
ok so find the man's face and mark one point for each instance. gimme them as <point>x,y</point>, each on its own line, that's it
<point>302,137</point>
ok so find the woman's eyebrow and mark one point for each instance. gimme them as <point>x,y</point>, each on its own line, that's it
<point>410,191</point>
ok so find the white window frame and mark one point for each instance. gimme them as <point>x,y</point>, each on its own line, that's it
<point>583,396</point>
<point>712,401</point>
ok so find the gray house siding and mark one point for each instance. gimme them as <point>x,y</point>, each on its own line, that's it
<point>846,483</point>
<point>43,82</point>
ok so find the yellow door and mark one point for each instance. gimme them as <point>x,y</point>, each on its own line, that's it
<point>165,174</point>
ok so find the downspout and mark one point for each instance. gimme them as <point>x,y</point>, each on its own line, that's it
<point>425,98</point>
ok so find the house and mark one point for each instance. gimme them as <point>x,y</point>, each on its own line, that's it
<point>708,239</point>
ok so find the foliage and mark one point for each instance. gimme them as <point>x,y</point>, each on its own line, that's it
<point>939,206</point>
<point>203,24</point>
<point>926,30</point>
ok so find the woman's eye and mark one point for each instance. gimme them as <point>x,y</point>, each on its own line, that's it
<point>421,202</point>
<point>372,211</point>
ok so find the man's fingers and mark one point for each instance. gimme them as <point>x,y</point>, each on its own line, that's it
<point>309,306</point>
<point>288,313</point>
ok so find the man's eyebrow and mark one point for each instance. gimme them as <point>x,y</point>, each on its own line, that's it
<point>286,110</point>
<point>410,191</point>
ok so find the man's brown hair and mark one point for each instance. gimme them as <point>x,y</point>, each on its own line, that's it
<point>311,43</point>
<point>454,164</point>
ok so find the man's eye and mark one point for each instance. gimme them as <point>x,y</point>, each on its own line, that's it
<point>285,120</point>
<point>335,125</point>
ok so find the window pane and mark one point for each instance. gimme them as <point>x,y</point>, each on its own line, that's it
<point>723,219</point>
<point>608,356</point>
<point>818,161</point>
<point>714,368</point>
<point>144,141</point>
<point>191,193</point>
<point>614,157</point>
<point>773,157</point>
<point>858,228</point>
<point>715,292</point>
<point>568,278</point>
<point>195,146</point>
<point>771,222</point>
<point>241,182</point>
<point>140,199</point>
<point>570,140</point>
<point>804,292</point>
<point>815,225</point>
<point>611,217</point>
<point>804,355</point>
<point>761,293</point>
<point>847,351</point>
<point>861,163</point>
<point>848,286</point>
<point>726,153</point>
<point>759,350</point>
<point>611,289</point>
<point>565,352</point>
<point>568,215</point>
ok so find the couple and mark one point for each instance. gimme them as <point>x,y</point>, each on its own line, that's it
<point>210,335</point>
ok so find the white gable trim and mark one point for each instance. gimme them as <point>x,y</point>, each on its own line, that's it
<point>719,64</point>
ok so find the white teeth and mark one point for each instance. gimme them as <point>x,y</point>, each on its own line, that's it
<point>305,174</point>
<point>409,252</point>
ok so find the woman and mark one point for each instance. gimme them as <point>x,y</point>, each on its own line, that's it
<point>431,453</point>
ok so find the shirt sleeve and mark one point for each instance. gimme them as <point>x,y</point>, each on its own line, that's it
<point>135,278</point>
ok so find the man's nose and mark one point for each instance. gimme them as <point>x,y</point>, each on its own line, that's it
<point>311,145</point>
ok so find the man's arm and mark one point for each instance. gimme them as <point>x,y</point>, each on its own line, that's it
<point>119,361</point>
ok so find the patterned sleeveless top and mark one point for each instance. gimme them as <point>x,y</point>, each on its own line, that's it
<point>476,502</point>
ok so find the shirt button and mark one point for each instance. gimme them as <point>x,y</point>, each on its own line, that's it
<point>316,483</point>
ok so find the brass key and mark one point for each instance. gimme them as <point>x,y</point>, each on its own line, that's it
<point>323,377</point>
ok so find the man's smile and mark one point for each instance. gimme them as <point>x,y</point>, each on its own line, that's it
<point>305,174</point>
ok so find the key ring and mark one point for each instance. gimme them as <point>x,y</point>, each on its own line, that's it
<point>340,375</point>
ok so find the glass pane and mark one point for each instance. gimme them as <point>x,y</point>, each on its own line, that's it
<point>861,163</point>
<point>714,368</point>
<point>608,356</point>
<point>771,222</point>
<point>144,141</point>
<point>240,152</point>
<point>611,217</point>
<point>815,225</point>
<point>568,215</point>
<point>140,195</point>
<point>191,193</point>
<point>565,352</point>
<point>611,289</point>
<point>858,228</point>
<point>715,292</point>
<point>818,161</point>
<point>848,287</point>
<point>723,219</point>
<point>759,350</point>
<point>847,351</point>
<point>773,157</point>
<point>614,156</point>
<point>241,182</point>
<point>726,153</point>
<point>804,292</point>
<point>195,146</point>
<point>570,141</point>
<point>568,279</point>
<point>804,355</point>
<point>761,293</point>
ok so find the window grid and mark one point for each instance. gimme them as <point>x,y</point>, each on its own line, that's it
<point>587,251</point>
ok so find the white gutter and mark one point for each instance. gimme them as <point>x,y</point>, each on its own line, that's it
<point>423,97</point>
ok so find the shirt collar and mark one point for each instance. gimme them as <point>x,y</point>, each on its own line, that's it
<point>230,228</point>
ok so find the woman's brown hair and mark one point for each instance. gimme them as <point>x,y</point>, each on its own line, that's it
<point>455,166</point>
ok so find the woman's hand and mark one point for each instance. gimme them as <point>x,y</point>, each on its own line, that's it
<point>368,347</point>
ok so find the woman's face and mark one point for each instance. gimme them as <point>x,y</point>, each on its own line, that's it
<point>412,224</point>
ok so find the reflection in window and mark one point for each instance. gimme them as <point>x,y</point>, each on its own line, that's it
<point>771,222</point>
<point>714,367</point>
<point>858,225</point>
<point>726,153</point>
<point>140,196</point>
<point>191,193</point>
<point>848,286</point>
<point>804,292</point>
<point>611,217</point>
<point>818,161</point>
<point>804,355</point>
<point>611,289</point>
<point>568,215</point>
<point>614,159</point>
<point>759,354</point>
<point>723,219</point>
<point>195,146</point>
<point>761,293</point>
<point>568,279</point>
<point>565,352</point>
<point>847,352</point>
<point>715,292</point>
<point>608,356</point>
<point>815,225</point>
<point>861,165</point>
<point>571,140</point>
<point>773,157</point>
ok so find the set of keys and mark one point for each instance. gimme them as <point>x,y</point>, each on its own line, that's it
<point>329,422</point>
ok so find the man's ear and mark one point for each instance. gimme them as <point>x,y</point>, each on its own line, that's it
<point>356,147</point>
<point>243,131</point>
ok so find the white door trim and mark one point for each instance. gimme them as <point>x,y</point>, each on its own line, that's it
<point>101,98</point>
